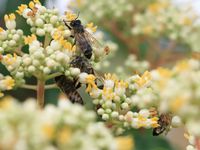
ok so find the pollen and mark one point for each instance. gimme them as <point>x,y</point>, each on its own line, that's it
<point>48,131</point>
<point>31,5</point>
<point>64,135</point>
<point>9,59</point>
<point>144,79</point>
<point>70,16</point>
<point>30,39</point>
<point>164,72</point>
<point>8,82</point>
<point>110,77</point>
<point>90,80</point>
<point>91,27</point>
<point>21,9</point>
<point>124,143</point>
<point>1,29</point>
<point>9,17</point>
<point>36,1</point>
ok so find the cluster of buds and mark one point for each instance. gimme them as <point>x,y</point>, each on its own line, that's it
<point>43,59</point>
<point>12,38</point>
<point>23,126</point>
<point>114,102</point>
<point>177,24</point>
<point>102,9</point>
<point>132,66</point>
<point>6,83</point>
<point>192,142</point>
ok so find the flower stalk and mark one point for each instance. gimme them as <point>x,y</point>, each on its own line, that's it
<point>40,93</point>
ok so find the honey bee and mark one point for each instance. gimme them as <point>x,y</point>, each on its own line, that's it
<point>164,122</point>
<point>69,86</point>
<point>33,12</point>
<point>83,39</point>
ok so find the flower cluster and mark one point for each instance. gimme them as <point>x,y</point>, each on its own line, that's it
<point>132,66</point>
<point>6,83</point>
<point>66,127</point>
<point>12,38</point>
<point>102,9</point>
<point>114,101</point>
<point>46,58</point>
<point>176,91</point>
<point>177,24</point>
<point>192,142</point>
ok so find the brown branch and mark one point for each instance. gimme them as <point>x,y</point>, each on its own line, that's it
<point>127,40</point>
<point>197,142</point>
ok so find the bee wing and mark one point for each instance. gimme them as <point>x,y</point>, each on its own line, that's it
<point>81,40</point>
<point>92,40</point>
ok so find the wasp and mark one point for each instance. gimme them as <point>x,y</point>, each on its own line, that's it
<point>164,122</point>
<point>70,85</point>
<point>83,39</point>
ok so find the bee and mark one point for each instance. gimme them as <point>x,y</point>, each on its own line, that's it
<point>68,85</point>
<point>83,39</point>
<point>164,122</point>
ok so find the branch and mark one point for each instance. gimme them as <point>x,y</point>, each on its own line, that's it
<point>30,87</point>
<point>53,75</point>
<point>128,41</point>
<point>34,87</point>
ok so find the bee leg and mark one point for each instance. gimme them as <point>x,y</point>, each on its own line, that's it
<point>67,25</point>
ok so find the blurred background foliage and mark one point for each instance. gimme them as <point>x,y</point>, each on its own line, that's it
<point>116,20</point>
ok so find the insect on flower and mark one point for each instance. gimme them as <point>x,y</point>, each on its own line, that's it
<point>83,39</point>
<point>164,124</point>
<point>68,85</point>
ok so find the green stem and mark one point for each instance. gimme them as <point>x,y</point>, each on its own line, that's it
<point>40,93</point>
<point>30,87</point>
<point>34,87</point>
<point>53,75</point>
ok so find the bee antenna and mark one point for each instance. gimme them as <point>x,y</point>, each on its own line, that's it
<point>77,15</point>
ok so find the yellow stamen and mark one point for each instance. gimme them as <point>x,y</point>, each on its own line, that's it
<point>9,59</point>
<point>30,39</point>
<point>5,102</point>
<point>21,9</point>
<point>90,80</point>
<point>166,73</point>
<point>108,93</point>
<point>124,143</point>
<point>121,83</point>
<point>182,66</point>
<point>8,82</point>
<point>91,27</point>
<point>9,17</point>
<point>36,1</point>
<point>31,4</point>
<point>64,135</point>
<point>48,131</point>
<point>143,79</point>
<point>110,77</point>
<point>70,16</point>
<point>1,30</point>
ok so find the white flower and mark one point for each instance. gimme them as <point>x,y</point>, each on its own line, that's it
<point>82,77</point>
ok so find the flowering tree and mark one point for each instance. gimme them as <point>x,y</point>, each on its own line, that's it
<point>123,101</point>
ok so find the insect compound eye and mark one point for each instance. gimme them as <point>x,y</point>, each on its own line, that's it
<point>78,22</point>
<point>72,23</point>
